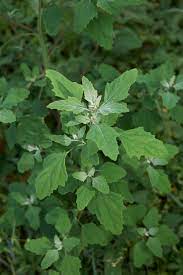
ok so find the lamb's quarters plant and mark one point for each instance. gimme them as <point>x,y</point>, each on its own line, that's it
<point>78,172</point>
<point>90,150</point>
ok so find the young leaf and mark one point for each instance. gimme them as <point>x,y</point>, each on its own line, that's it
<point>7,116</point>
<point>70,265</point>
<point>109,211</point>
<point>84,196</point>
<point>154,245</point>
<point>51,257</point>
<point>159,180</point>
<point>118,89</point>
<point>113,108</point>
<point>38,246</point>
<point>100,184</point>
<point>71,104</point>
<point>63,87</point>
<point>105,138</point>
<point>101,30</point>
<point>139,143</point>
<point>81,176</point>
<point>84,12</point>
<point>52,176</point>
<point>90,93</point>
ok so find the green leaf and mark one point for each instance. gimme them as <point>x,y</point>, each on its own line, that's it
<point>32,215</point>
<point>15,96</point>
<point>166,235</point>
<point>100,184</point>
<point>89,91</point>
<point>138,143</point>
<point>105,138</point>
<point>159,180</point>
<point>70,265</point>
<point>112,172</point>
<point>100,29</point>
<point>114,6</point>
<point>71,104</point>
<point>108,72</point>
<point>109,211</point>
<point>118,89</point>
<point>169,100</point>
<point>81,176</point>
<point>38,246</point>
<point>123,189</point>
<point>93,234</point>
<point>51,257</point>
<point>152,218</point>
<point>133,214</point>
<point>141,254</point>
<point>60,219</point>
<point>172,150</point>
<point>70,243</point>
<point>7,116</point>
<point>61,139</point>
<point>154,245</point>
<point>84,12</point>
<point>130,39</point>
<point>52,176</point>
<point>26,162</point>
<point>52,17</point>
<point>32,130</point>
<point>63,87</point>
<point>84,196</point>
<point>113,108</point>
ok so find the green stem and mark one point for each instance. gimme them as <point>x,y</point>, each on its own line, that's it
<point>41,36</point>
<point>94,264</point>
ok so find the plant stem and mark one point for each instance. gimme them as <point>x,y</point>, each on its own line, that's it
<point>93,264</point>
<point>41,37</point>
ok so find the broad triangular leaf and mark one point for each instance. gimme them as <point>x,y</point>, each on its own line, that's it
<point>159,180</point>
<point>100,184</point>
<point>101,30</point>
<point>138,143</point>
<point>71,104</point>
<point>84,12</point>
<point>63,87</point>
<point>84,196</point>
<point>105,138</point>
<point>118,89</point>
<point>60,219</point>
<point>154,246</point>
<point>50,257</point>
<point>7,116</point>
<point>38,246</point>
<point>52,176</point>
<point>70,265</point>
<point>109,211</point>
